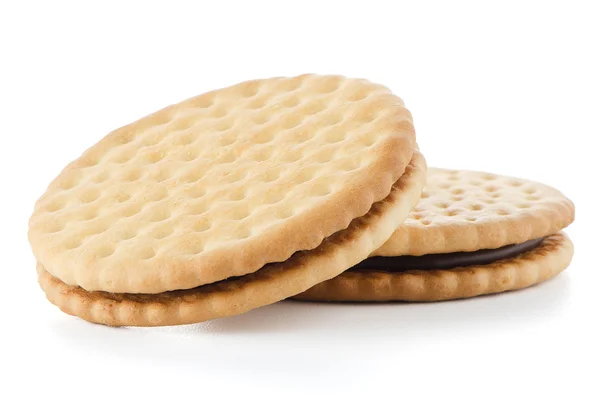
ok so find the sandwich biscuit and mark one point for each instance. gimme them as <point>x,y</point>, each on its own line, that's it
<point>472,233</point>
<point>218,186</point>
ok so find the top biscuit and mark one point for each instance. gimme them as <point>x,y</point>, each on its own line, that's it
<point>221,184</point>
<point>463,211</point>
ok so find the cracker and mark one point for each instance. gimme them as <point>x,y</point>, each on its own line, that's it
<point>551,257</point>
<point>271,283</point>
<point>469,211</point>
<point>221,184</point>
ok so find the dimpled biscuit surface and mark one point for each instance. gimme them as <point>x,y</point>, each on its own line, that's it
<point>221,184</point>
<point>470,210</point>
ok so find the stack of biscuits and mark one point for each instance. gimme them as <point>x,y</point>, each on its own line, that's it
<point>309,187</point>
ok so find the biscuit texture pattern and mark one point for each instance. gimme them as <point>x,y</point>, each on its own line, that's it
<point>469,211</point>
<point>221,184</point>
<point>533,267</point>
<point>269,284</point>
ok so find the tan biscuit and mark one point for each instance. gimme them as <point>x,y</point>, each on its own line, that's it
<point>461,212</point>
<point>533,267</point>
<point>271,283</point>
<point>469,211</point>
<point>221,184</point>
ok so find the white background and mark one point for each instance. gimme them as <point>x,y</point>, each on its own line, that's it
<point>510,88</point>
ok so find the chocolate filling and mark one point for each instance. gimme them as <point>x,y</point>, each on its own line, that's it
<point>445,261</point>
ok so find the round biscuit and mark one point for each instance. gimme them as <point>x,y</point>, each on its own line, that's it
<point>221,184</point>
<point>467,211</point>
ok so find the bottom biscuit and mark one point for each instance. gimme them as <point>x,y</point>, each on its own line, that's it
<point>548,259</point>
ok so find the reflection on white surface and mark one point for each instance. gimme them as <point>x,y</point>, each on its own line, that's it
<point>303,336</point>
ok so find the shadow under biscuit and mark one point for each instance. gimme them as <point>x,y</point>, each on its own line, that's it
<point>293,341</point>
